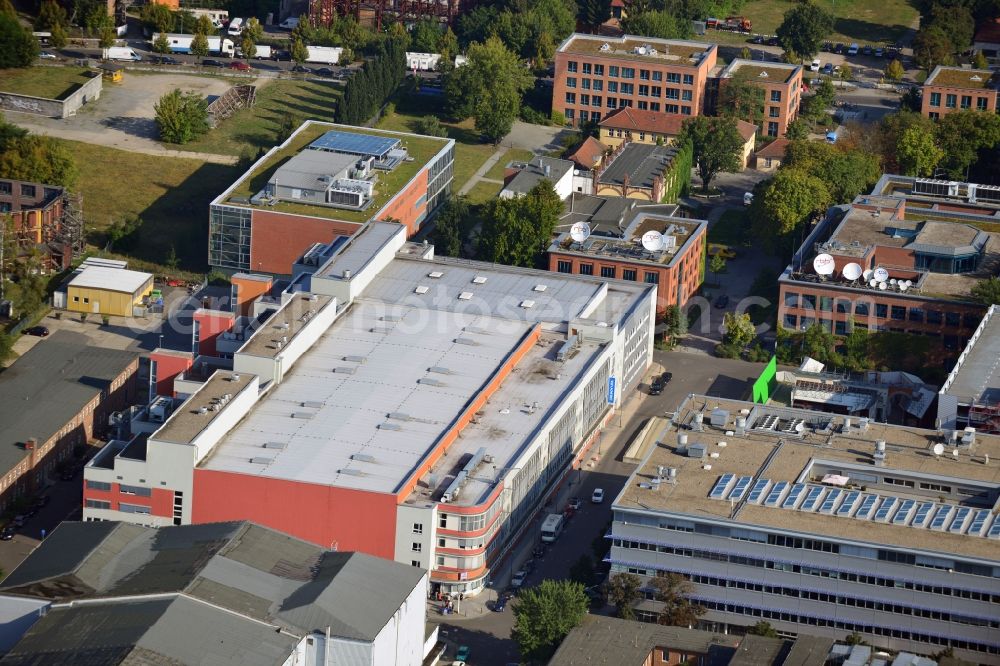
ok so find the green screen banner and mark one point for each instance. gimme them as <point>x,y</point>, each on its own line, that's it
<point>765,383</point>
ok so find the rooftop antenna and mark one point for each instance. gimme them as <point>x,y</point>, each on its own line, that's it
<point>938,449</point>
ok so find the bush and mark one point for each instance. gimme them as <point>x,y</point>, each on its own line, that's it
<point>558,118</point>
<point>727,351</point>
<point>18,47</point>
<point>534,116</point>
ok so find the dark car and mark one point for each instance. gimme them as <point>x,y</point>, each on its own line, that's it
<point>867,50</point>
<point>772,41</point>
<point>827,46</point>
<point>722,301</point>
<point>37,331</point>
<point>839,48</point>
<point>828,69</point>
<point>325,71</point>
<point>500,604</point>
<point>213,63</point>
<point>240,66</point>
<point>167,60</point>
<point>302,69</point>
<point>283,55</point>
<point>539,551</point>
<point>659,383</point>
<point>7,534</point>
<point>757,39</point>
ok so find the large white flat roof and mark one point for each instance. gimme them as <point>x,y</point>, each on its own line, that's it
<point>110,279</point>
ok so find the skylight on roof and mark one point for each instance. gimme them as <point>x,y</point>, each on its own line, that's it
<point>435,274</point>
<point>540,287</point>
<point>465,296</point>
<point>527,304</point>
<point>479,279</point>
<point>421,289</point>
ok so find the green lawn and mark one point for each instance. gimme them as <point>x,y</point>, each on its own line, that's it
<point>46,82</point>
<point>470,153</point>
<point>856,20</point>
<point>249,130</point>
<point>171,195</point>
<point>482,192</point>
<point>512,155</point>
<point>731,228</point>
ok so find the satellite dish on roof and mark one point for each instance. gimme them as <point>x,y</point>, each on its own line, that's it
<point>652,241</point>
<point>579,232</point>
<point>880,274</point>
<point>892,281</point>
<point>908,283</point>
<point>873,282</point>
<point>938,449</point>
<point>902,286</point>
<point>881,286</point>
<point>851,271</point>
<point>867,275</point>
<point>823,264</point>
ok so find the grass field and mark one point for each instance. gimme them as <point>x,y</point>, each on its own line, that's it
<point>856,20</point>
<point>249,130</point>
<point>46,82</point>
<point>170,195</point>
<point>512,155</point>
<point>470,152</point>
<point>482,192</point>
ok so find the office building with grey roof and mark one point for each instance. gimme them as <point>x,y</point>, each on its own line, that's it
<point>410,407</point>
<point>53,398</point>
<point>821,524</point>
<point>235,593</point>
<point>970,397</point>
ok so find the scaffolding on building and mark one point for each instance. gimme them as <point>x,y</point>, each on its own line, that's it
<point>985,418</point>
<point>69,231</point>
<point>231,101</point>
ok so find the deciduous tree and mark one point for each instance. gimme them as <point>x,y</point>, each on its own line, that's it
<point>299,52</point>
<point>593,13</point>
<point>58,37</point>
<point>717,146</point>
<point>157,17</point>
<point>962,134</point>
<point>517,231</point>
<point>543,616</point>
<point>741,98</point>
<point>181,116</point>
<point>161,44</point>
<point>451,226</point>
<point>894,70</point>
<point>51,14</point>
<point>804,28</point>
<point>253,30</point>
<point>932,47</point>
<point>673,591</point>
<point>656,24</point>
<point>917,152</point>
<point>199,45</point>
<point>38,159</point>
<point>762,628</point>
<point>204,25</point>
<point>18,47</point>
<point>740,330</point>
<point>248,47</point>
<point>622,591</point>
<point>424,36</point>
<point>786,202</point>
<point>987,291</point>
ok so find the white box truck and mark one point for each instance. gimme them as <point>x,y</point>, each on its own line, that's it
<point>262,53</point>
<point>326,55</point>
<point>121,53</point>
<point>552,527</point>
<point>182,44</point>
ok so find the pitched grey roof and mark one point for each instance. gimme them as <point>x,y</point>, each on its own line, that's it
<point>246,568</point>
<point>641,162</point>
<point>175,630</point>
<point>44,389</point>
<point>535,171</point>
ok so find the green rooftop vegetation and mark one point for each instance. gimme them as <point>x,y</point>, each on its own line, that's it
<point>45,82</point>
<point>421,149</point>
<point>976,79</point>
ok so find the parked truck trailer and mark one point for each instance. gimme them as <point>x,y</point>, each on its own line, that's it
<point>182,44</point>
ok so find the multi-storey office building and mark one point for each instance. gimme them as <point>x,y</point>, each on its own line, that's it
<point>821,524</point>
<point>325,181</point>
<point>950,89</point>
<point>677,269</point>
<point>594,75</point>
<point>395,404</point>
<point>932,239</point>
<point>971,394</point>
<point>782,84</point>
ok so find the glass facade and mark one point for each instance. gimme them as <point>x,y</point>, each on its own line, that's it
<point>440,173</point>
<point>229,237</point>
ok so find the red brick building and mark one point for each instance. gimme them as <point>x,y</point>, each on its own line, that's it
<point>950,89</point>
<point>595,75</point>
<point>325,181</point>
<point>677,270</point>
<point>782,84</point>
<point>54,398</point>
<point>930,249</point>
<point>36,210</point>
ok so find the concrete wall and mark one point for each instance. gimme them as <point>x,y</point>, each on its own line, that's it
<point>17,615</point>
<point>401,641</point>
<point>408,515</point>
<point>53,108</point>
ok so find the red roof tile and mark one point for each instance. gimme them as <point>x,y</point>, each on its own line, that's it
<point>775,149</point>
<point>589,153</point>
<point>644,121</point>
<point>746,130</point>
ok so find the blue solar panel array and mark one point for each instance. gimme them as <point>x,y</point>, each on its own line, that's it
<point>355,144</point>
<point>870,506</point>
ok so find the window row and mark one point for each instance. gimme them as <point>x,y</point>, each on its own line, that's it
<point>793,567</point>
<point>610,272</point>
<point>617,71</point>
<point>866,308</point>
<point>952,101</point>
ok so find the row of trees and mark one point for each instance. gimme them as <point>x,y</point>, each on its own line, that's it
<point>945,30</point>
<point>531,31</point>
<point>368,89</point>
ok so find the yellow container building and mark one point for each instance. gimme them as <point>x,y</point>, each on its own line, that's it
<point>108,291</point>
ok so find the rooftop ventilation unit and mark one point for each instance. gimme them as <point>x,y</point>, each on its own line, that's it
<point>363,457</point>
<point>261,461</point>
<point>719,418</point>
<point>302,415</point>
<point>274,445</point>
<point>312,404</point>
<point>388,426</point>
<point>879,456</point>
<point>351,472</point>
<point>969,436</point>
<point>355,359</point>
<point>427,381</point>
<point>345,370</point>
<point>466,341</point>
<point>439,369</point>
<point>696,451</point>
<point>698,423</point>
<point>398,416</point>
<point>421,289</point>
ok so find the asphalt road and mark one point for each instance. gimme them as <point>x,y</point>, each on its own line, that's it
<point>488,633</point>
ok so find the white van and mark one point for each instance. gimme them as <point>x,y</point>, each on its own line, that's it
<point>852,50</point>
<point>121,53</point>
<point>290,23</point>
<point>552,527</point>
<point>236,27</point>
